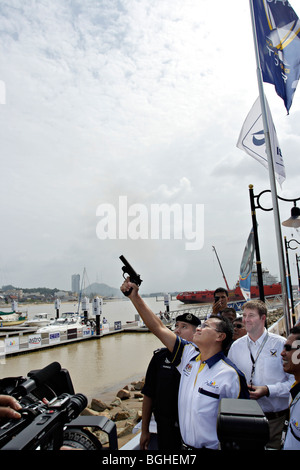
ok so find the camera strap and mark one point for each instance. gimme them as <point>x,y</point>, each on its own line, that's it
<point>257,355</point>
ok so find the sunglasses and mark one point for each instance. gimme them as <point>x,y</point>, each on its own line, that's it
<point>238,325</point>
<point>288,347</point>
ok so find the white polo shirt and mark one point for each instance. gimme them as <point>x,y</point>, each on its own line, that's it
<point>268,368</point>
<point>292,440</point>
<point>202,386</point>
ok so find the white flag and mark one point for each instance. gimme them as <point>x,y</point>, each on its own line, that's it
<point>252,140</point>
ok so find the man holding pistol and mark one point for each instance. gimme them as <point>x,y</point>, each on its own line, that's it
<point>206,377</point>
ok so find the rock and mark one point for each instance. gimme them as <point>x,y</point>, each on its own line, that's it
<point>120,415</point>
<point>138,385</point>
<point>125,414</point>
<point>102,436</point>
<point>98,405</point>
<point>123,394</point>
<point>124,428</point>
<point>116,402</point>
<point>89,412</point>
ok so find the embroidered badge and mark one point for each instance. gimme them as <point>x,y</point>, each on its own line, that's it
<point>187,369</point>
<point>212,384</point>
<point>295,423</point>
<point>273,352</point>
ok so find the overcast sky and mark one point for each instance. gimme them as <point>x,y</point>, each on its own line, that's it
<point>139,99</point>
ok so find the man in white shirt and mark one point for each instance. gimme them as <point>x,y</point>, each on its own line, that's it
<point>258,356</point>
<point>291,365</point>
<point>206,377</point>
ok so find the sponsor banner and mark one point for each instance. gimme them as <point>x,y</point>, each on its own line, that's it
<point>117,325</point>
<point>2,351</point>
<point>105,327</point>
<point>86,332</point>
<point>72,333</point>
<point>34,341</point>
<point>54,337</point>
<point>12,344</point>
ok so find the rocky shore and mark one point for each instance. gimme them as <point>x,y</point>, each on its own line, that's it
<point>124,407</point>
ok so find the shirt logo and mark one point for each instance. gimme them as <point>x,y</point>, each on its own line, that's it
<point>273,352</point>
<point>212,384</point>
<point>295,423</point>
<point>187,369</point>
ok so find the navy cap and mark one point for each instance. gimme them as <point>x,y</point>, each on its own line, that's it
<point>189,318</point>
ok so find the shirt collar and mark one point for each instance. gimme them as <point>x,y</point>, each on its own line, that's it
<point>295,389</point>
<point>259,340</point>
<point>212,360</point>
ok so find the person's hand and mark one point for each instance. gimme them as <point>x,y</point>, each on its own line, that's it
<point>258,391</point>
<point>216,307</point>
<point>127,285</point>
<point>9,407</point>
<point>145,440</point>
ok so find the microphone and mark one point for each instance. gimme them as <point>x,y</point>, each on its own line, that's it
<point>35,379</point>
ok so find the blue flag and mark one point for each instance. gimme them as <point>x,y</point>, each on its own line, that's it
<point>246,267</point>
<point>278,37</point>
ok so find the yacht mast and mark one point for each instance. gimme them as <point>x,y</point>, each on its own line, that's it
<point>224,277</point>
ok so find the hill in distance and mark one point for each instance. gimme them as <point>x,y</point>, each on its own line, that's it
<point>102,289</point>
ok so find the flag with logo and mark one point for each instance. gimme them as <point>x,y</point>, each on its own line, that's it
<point>252,140</point>
<point>246,267</point>
<point>278,36</point>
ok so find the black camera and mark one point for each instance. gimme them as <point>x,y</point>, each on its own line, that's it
<point>50,414</point>
<point>242,425</point>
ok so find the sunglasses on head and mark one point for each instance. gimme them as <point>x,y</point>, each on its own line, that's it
<point>288,347</point>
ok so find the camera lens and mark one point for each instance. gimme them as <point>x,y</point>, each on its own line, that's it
<point>78,403</point>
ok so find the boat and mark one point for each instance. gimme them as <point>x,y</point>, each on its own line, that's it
<point>39,320</point>
<point>68,320</point>
<point>271,288</point>
<point>12,318</point>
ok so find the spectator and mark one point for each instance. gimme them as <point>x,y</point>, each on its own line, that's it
<point>239,329</point>
<point>258,355</point>
<point>221,300</point>
<point>229,313</point>
<point>291,365</point>
<point>161,391</point>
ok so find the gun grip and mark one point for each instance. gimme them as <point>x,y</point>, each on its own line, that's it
<point>127,293</point>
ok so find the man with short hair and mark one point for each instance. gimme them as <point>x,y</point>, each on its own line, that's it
<point>239,329</point>
<point>161,391</point>
<point>230,313</point>
<point>258,355</point>
<point>291,365</point>
<point>206,377</point>
<point>220,300</point>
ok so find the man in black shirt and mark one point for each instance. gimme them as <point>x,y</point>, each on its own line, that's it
<point>161,391</point>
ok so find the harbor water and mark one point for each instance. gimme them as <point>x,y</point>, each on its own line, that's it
<point>100,365</point>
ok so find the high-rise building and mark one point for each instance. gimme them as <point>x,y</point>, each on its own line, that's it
<point>76,283</point>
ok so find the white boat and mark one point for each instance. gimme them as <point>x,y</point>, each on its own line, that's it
<point>12,318</point>
<point>63,323</point>
<point>39,320</point>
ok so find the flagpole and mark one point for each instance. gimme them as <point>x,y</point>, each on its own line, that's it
<point>272,178</point>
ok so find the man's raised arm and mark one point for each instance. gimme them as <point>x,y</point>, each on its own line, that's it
<point>151,320</point>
